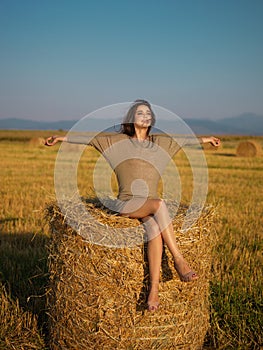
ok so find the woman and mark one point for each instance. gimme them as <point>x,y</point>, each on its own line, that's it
<point>132,147</point>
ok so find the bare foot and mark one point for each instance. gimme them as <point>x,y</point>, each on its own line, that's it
<point>153,299</point>
<point>184,271</point>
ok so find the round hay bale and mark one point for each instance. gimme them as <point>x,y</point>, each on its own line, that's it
<point>37,142</point>
<point>248,149</point>
<point>97,295</point>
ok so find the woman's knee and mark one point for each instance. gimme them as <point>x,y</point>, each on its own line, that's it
<point>157,205</point>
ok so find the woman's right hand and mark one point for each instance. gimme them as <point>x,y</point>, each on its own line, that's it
<point>52,140</point>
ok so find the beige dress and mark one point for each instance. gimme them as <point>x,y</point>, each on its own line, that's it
<point>138,165</point>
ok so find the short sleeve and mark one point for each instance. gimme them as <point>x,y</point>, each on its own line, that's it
<point>168,144</point>
<point>172,145</point>
<point>101,142</point>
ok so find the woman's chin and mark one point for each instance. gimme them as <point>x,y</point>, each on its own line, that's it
<point>146,125</point>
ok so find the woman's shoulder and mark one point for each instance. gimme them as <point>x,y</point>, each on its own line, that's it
<point>166,142</point>
<point>114,136</point>
<point>103,140</point>
<point>161,138</point>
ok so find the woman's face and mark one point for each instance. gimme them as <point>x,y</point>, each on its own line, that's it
<point>143,117</point>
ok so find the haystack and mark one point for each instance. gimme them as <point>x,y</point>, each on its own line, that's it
<point>209,147</point>
<point>97,296</point>
<point>248,149</point>
<point>37,142</point>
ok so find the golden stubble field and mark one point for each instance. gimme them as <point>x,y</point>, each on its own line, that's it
<point>27,186</point>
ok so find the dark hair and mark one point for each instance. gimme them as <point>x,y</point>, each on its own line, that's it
<point>127,127</point>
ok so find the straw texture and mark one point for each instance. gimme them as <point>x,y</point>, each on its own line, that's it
<point>18,328</point>
<point>97,294</point>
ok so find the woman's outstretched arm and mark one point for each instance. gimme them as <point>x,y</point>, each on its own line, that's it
<point>101,142</point>
<point>77,138</point>
<point>193,140</point>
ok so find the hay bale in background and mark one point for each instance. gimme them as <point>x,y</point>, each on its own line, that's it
<point>37,142</point>
<point>97,297</point>
<point>248,149</point>
<point>209,147</point>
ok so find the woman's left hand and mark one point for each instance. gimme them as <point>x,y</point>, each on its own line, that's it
<point>214,141</point>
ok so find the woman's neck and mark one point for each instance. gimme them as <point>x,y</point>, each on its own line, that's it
<point>141,133</point>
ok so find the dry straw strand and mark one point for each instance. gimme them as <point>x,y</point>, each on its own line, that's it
<point>18,329</point>
<point>248,149</point>
<point>97,294</point>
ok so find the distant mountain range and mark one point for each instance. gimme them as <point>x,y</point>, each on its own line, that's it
<point>244,124</point>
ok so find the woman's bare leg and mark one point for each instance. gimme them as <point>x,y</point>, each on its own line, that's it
<point>154,252</point>
<point>158,208</point>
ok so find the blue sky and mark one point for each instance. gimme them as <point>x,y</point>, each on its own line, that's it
<point>64,59</point>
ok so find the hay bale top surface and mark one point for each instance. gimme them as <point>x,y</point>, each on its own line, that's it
<point>97,224</point>
<point>249,148</point>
